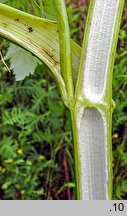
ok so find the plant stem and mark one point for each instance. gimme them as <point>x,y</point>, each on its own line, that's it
<point>92,115</point>
<point>77,165</point>
<point>65,46</point>
<point>91,128</point>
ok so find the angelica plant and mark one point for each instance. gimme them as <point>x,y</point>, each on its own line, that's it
<point>84,78</point>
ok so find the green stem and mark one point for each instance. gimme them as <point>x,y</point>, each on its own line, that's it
<point>91,128</point>
<point>93,116</point>
<point>65,46</point>
<point>77,165</point>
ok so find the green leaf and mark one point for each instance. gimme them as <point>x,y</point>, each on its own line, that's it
<point>6,185</point>
<point>49,9</point>
<point>7,147</point>
<point>42,41</point>
<point>14,3</point>
<point>65,186</point>
<point>17,116</point>
<point>3,1</point>
<point>22,62</point>
<point>41,8</point>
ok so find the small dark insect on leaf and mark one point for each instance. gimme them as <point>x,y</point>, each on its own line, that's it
<point>17,19</point>
<point>30,29</point>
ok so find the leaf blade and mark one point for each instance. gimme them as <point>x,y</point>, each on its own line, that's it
<point>39,36</point>
<point>22,62</point>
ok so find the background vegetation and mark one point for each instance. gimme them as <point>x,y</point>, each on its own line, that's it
<point>36,160</point>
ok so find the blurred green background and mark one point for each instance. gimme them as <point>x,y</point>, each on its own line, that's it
<point>36,160</point>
